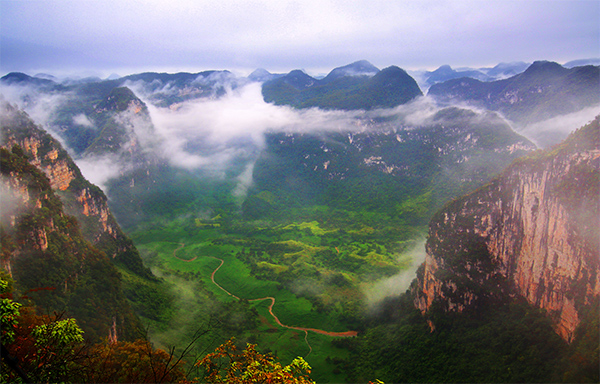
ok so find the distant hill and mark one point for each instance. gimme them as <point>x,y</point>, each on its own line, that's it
<point>445,72</point>
<point>18,78</point>
<point>498,72</point>
<point>262,75</point>
<point>504,70</point>
<point>546,89</point>
<point>582,62</point>
<point>359,85</point>
<point>359,68</point>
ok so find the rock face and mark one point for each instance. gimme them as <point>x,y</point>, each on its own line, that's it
<point>81,199</point>
<point>533,232</point>
<point>58,232</point>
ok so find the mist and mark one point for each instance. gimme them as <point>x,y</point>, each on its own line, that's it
<point>397,284</point>
<point>552,131</point>
<point>40,106</point>
<point>226,132</point>
<point>13,201</point>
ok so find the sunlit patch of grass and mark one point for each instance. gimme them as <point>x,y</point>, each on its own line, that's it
<point>274,267</point>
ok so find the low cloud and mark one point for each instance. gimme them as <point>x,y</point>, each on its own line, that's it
<point>214,132</point>
<point>552,131</point>
<point>99,170</point>
<point>244,181</point>
<point>82,120</point>
<point>40,106</point>
<point>398,283</point>
<point>13,201</point>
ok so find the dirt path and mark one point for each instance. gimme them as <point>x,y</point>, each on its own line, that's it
<point>320,331</point>
<point>181,245</point>
<point>272,299</point>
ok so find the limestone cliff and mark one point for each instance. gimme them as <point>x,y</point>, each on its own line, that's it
<point>81,199</point>
<point>51,263</point>
<point>533,232</point>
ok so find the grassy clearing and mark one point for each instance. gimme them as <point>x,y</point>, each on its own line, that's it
<point>314,270</point>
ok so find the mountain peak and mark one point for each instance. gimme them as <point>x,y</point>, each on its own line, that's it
<point>299,79</point>
<point>545,67</point>
<point>443,69</point>
<point>22,78</point>
<point>119,99</point>
<point>262,75</point>
<point>358,68</point>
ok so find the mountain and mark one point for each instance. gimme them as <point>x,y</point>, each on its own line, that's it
<point>544,90</point>
<point>503,70</point>
<point>118,116</point>
<point>18,78</point>
<point>83,200</point>
<point>582,62</point>
<point>419,165</point>
<point>164,89</point>
<point>358,85</point>
<point>358,68</point>
<point>58,233</point>
<point>445,72</point>
<point>532,232</point>
<point>261,75</point>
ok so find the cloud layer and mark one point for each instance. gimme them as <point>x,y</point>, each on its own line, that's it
<point>112,35</point>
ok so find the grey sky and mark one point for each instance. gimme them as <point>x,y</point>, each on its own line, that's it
<point>126,36</point>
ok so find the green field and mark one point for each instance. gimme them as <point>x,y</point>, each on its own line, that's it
<point>315,271</point>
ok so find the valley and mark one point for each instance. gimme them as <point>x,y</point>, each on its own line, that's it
<point>304,281</point>
<point>316,218</point>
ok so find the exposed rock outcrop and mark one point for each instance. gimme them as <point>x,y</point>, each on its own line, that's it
<point>533,232</point>
<point>81,199</point>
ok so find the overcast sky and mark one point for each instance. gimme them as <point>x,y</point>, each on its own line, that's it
<point>127,36</point>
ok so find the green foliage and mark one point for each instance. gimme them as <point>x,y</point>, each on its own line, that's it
<point>227,365</point>
<point>51,349</point>
<point>61,332</point>
<point>57,268</point>
<point>497,343</point>
<point>9,312</point>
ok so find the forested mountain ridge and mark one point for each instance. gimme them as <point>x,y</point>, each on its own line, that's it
<point>532,232</point>
<point>81,199</point>
<point>544,90</point>
<point>358,85</point>
<point>385,166</point>
<point>58,232</point>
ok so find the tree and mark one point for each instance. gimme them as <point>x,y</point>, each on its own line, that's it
<point>50,348</point>
<point>228,365</point>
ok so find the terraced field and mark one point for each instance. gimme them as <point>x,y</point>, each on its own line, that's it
<point>303,281</point>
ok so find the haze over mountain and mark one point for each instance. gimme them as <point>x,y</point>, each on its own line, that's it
<point>543,92</point>
<point>299,191</point>
<point>313,193</point>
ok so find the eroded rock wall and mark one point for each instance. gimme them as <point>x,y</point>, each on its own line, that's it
<point>533,229</point>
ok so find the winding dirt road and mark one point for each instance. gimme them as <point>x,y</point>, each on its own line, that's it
<point>181,245</point>
<point>272,299</point>
<point>302,329</point>
<point>320,331</point>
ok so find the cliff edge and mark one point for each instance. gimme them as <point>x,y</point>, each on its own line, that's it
<point>532,232</point>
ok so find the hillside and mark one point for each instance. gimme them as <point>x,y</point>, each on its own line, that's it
<point>355,86</point>
<point>384,167</point>
<point>64,223</point>
<point>544,90</point>
<point>509,289</point>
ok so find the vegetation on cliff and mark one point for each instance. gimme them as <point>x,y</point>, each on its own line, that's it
<point>50,260</point>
